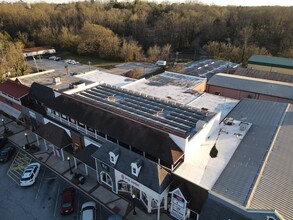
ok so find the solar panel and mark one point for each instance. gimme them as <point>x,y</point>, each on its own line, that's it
<point>173,116</point>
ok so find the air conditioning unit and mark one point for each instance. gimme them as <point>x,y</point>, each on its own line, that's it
<point>228,121</point>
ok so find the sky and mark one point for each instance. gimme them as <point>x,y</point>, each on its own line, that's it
<point>208,2</point>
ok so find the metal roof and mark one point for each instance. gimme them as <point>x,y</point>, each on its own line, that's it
<point>275,190</point>
<point>216,208</point>
<point>168,115</point>
<point>271,61</point>
<point>207,68</point>
<point>261,86</point>
<point>239,176</point>
<point>264,74</point>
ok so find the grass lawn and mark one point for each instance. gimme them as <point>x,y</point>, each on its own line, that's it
<point>95,61</point>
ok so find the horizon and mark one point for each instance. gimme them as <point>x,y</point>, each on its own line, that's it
<point>247,3</point>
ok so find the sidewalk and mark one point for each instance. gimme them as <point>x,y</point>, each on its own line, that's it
<point>91,187</point>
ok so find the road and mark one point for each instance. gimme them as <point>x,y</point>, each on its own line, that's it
<point>40,201</point>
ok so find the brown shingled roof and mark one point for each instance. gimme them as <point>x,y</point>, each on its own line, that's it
<point>14,88</point>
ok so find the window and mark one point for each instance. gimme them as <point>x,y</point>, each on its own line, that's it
<point>134,170</point>
<point>112,159</point>
<point>91,129</point>
<point>101,134</point>
<point>111,139</point>
<point>122,144</point>
<point>81,124</point>
<point>63,116</point>
<point>72,120</point>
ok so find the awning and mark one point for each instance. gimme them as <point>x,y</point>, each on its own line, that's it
<point>55,135</point>
<point>85,155</point>
<point>10,110</point>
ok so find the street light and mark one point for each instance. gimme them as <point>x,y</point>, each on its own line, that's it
<point>68,159</point>
<point>66,67</point>
<point>133,198</point>
<point>28,143</point>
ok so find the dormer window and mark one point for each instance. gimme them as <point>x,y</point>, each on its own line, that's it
<point>114,154</point>
<point>136,167</point>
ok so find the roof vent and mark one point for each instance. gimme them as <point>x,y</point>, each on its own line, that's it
<point>243,126</point>
<point>57,80</point>
<point>228,121</point>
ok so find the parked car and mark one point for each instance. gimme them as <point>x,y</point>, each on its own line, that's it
<point>30,174</point>
<point>3,141</point>
<point>6,153</point>
<point>88,211</point>
<point>67,201</point>
<point>54,58</point>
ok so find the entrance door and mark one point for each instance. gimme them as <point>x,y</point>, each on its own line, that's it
<point>77,141</point>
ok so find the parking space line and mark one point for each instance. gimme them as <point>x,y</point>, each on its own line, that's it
<point>17,166</point>
<point>57,199</point>
<point>39,187</point>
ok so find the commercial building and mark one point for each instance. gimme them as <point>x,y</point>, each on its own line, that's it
<point>271,64</point>
<point>239,87</point>
<point>184,159</point>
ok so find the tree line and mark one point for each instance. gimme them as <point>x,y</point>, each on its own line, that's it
<point>150,31</point>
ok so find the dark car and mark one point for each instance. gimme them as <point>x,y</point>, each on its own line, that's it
<point>3,141</point>
<point>6,153</point>
<point>67,201</point>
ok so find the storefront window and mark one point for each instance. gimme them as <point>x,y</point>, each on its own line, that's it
<point>123,186</point>
<point>106,179</point>
<point>144,198</point>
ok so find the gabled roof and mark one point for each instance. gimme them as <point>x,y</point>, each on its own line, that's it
<point>271,61</point>
<point>139,136</point>
<point>275,190</point>
<point>14,88</point>
<point>261,86</point>
<point>238,178</point>
<point>151,174</point>
<point>85,155</point>
<point>195,195</point>
<point>54,134</point>
<point>41,93</point>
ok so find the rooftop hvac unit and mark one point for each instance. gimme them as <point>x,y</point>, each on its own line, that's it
<point>228,121</point>
<point>243,126</point>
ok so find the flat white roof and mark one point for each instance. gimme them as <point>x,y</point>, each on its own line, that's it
<point>206,170</point>
<point>169,86</point>
<point>108,78</point>
<point>214,103</point>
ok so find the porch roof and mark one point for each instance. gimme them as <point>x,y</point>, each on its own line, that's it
<point>54,134</point>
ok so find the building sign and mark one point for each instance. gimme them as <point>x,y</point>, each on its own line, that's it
<point>178,205</point>
<point>105,167</point>
<point>130,181</point>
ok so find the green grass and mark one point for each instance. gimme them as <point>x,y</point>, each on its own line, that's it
<point>95,61</point>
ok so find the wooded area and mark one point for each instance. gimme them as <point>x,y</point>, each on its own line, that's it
<point>149,31</point>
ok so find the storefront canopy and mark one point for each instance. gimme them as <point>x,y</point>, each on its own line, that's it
<point>55,135</point>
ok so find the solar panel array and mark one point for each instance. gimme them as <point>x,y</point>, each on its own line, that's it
<point>169,115</point>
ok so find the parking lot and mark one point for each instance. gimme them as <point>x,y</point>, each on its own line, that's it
<point>59,66</point>
<point>39,201</point>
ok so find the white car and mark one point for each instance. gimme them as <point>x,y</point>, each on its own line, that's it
<point>30,174</point>
<point>88,211</point>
